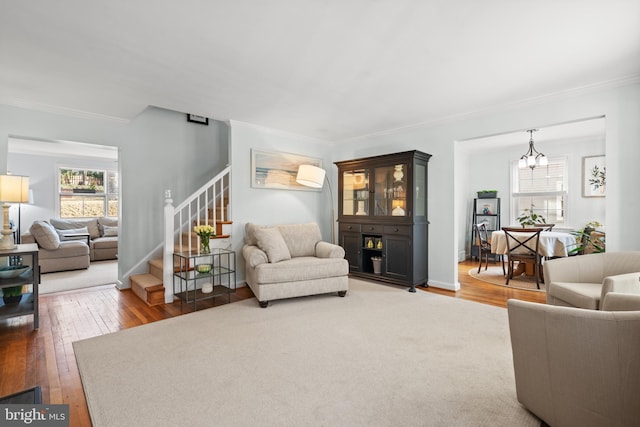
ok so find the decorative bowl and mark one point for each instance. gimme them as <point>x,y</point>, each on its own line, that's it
<point>203,268</point>
<point>11,271</point>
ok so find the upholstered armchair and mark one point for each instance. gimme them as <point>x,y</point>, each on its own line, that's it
<point>576,367</point>
<point>291,260</point>
<point>585,281</point>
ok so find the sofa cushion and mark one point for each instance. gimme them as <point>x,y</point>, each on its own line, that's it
<point>103,223</point>
<point>270,241</point>
<point>301,268</point>
<point>45,235</point>
<point>105,243</point>
<point>301,239</point>
<point>108,231</point>
<point>69,224</point>
<point>64,234</point>
<point>581,295</point>
<point>68,249</point>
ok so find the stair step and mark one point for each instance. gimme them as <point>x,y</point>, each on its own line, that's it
<point>148,288</point>
<point>155,268</point>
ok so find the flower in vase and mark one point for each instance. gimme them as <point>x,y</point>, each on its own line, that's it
<point>204,232</point>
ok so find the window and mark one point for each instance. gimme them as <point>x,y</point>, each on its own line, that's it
<point>83,194</point>
<point>542,190</point>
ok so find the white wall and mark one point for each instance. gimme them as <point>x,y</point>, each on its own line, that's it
<point>42,172</point>
<point>490,168</point>
<point>449,173</point>
<point>274,206</point>
<point>158,150</point>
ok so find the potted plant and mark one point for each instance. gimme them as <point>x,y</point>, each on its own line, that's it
<point>529,218</point>
<point>586,242</point>
<point>12,294</point>
<point>487,194</point>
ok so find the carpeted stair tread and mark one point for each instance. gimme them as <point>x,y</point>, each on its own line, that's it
<point>148,288</point>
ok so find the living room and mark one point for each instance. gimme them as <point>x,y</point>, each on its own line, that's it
<point>160,150</point>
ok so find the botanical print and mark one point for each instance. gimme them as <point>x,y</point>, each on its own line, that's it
<point>594,176</point>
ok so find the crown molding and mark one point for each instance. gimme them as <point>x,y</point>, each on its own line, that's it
<point>527,102</point>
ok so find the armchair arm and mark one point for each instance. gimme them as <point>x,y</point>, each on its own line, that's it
<point>628,283</point>
<point>329,250</point>
<point>254,256</point>
<point>617,301</point>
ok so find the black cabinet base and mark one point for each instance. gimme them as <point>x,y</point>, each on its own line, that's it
<point>391,281</point>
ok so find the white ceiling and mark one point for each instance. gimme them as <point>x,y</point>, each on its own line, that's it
<point>320,68</point>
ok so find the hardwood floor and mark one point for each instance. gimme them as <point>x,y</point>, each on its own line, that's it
<point>45,357</point>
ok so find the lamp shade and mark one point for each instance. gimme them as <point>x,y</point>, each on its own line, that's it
<point>14,189</point>
<point>310,176</point>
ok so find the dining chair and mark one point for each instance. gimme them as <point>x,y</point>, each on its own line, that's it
<point>484,247</point>
<point>523,246</point>
<point>547,227</point>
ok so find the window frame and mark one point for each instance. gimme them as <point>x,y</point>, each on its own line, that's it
<point>560,195</point>
<point>105,195</point>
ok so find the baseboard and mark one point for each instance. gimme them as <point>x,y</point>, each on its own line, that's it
<point>444,285</point>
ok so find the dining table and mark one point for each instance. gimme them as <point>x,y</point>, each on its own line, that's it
<point>551,244</point>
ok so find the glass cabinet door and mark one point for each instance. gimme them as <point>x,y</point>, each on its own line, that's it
<point>391,190</point>
<point>355,192</point>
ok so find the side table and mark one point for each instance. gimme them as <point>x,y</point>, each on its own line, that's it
<point>29,302</point>
<point>200,276</point>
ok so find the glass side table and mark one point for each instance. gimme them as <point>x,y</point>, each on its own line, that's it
<point>198,276</point>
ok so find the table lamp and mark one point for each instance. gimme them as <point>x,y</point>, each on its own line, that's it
<point>13,189</point>
<point>314,177</point>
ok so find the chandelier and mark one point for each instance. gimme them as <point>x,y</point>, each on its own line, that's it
<point>532,157</point>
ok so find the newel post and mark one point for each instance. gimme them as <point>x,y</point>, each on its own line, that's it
<point>167,258</point>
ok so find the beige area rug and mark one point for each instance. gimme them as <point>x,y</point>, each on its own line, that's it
<point>381,356</point>
<point>494,275</point>
<point>98,273</point>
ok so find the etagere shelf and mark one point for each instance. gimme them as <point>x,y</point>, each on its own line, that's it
<point>27,255</point>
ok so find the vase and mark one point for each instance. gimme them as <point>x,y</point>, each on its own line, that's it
<point>12,299</point>
<point>204,245</point>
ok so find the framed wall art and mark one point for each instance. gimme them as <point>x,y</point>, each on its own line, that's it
<point>279,170</point>
<point>198,119</point>
<point>594,176</point>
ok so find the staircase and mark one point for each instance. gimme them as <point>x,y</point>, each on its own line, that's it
<point>208,205</point>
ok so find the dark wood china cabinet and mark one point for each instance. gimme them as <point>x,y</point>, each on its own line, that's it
<point>383,225</point>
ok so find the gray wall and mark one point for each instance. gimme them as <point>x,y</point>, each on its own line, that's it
<point>157,150</point>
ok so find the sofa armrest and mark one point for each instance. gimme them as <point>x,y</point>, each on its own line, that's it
<point>27,238</point>
<point>254,256</point>
<point>329,250</point>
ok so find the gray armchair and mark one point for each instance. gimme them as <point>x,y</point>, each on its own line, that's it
<point>576,367</point>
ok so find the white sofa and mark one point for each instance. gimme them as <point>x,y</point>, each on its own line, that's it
<point>588,281</point>
<point>291,260</point>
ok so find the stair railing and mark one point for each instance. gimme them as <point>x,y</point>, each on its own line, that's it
<point>180,220</point>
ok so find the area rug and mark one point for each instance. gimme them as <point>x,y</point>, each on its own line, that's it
<point>98,273</point>
<point>380,356</point>
<point>494,275</point>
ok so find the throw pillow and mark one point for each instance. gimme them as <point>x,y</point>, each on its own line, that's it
<point>69,224</point>
<point>109,231</point>
<point>64,234</point>
<point>45,235</point>
<point>106,222</point>
<point>270,240</point>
